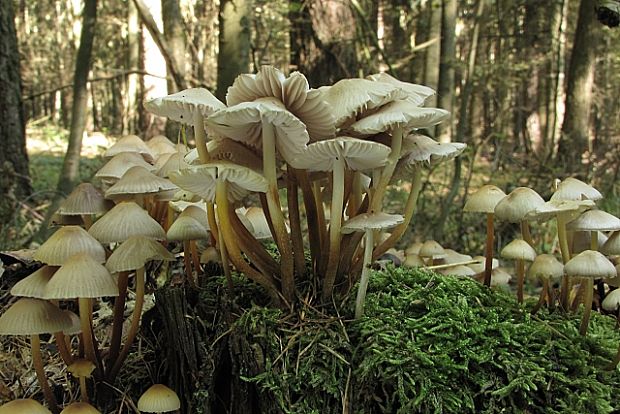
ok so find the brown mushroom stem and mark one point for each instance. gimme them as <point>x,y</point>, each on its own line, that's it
<point>355,196</point>
<point>88,221</point>
<point>314,232</point>
<point>37,362</point>
<point>212,221</point>
<point>335,223</point>
<point>297,240</point>
<point>200,136</point>
<point>363,287</point>
<point>563,241</point>
<point>488,254</point>
<point>388,170</point>
<point>587,303</point>
<point>169,217</point>
<point>525,232</point>
<point>87,332</point>
<point>321,224</point>
<point>229,237</point>
<point>135,323</point>
<point>195,258</point>
<point>63,350</point>
<point>520,279</point>
<point>118,316</point>
<point>544,293</point>
<point>410,206</point>
<point>83,389</point>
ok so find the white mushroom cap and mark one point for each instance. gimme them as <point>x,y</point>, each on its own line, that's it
<point>119,164</point>
<point>574,189</point>
<point>546,266</point>
<point>135,252</point>
<point>138,180</point>
<point>612,245</point>
<point>452,256</point>
<point>516,205</point>
<point>611,303</point>
<point>500,277</point>
<point>84,199</point>
<point>186,228</point>
<point>130,143</point>
<point>26,406</point>
<point>126,219</point>
<point>66,242</point>
<point>376,221</point>
<point>33,286</point>
<point>260,226</point>
<point>81,277</point>
<point>159,399</point>
<point>594,220</point>
<point>413,260</point>
<point>29,316</point>
<point>484,200</point>
<point>590,263</point>
<point>416,94</point>
<point>182,105</point>
<point>552,208</point>
<point>430,248</point>
<point>459,270</point>
<point>519,250</point>
<point>479,267</point>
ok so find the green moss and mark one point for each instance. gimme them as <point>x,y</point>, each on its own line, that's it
<point>433,344</point>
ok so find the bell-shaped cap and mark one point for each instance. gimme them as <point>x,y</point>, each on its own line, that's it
<point>243,122</point>
<point>460,270</point>
<point>33,286</point>
<point>29,316</point>
<point>174,162</point>
<point>612,246</point>
<point>418,149</point>
<point>593,220</point>
<point>546,266</point>
<point>186,228</point>
<point>413,260</point>
<point>159,399</point>
<point>430,248</point>
<point>515,206</point>
<point>374,221</point>
<point>611,303</point>
<point>293,91</point>
<point>135,252</point>
<point>81,277</point>
<point>130,143</point>
<point>590,263</point>
<point>416,94</point>
<point>76,324</point>
<point>570,209</point>
<point>119,164</point>
<point>80,408</point>
<point>358,154</point>
<point>81,368</point>
<point>500,277</point>
<point>23,406</point>
<point>350,97</point>
<point>202,179</point>
<point>574,189</point>
<point>197,213</point>
<point>518,250</point>
<point>84,199</point>
<point>258,222</point>
<point>160,144</point>
<point>452,256</point>
<point>66,242</point>
<point>399,114</point>
<point>484,200</point>
<point>414,248</point>
<point>136,181</point>
<point>182,106</point>
<point>126,219</point>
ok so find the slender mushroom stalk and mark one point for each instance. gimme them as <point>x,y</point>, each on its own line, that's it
<point>84,305</point>
<point>37,362</point>
<point>520,279</point>
<point>295,220</point>
<point>361,292</point>
<point>200,136</point>
<point>118,315</point>
<point>388,170</point>
<point>335,222</point>
<point>488,253</point>
<point>587,303</point>
<point>312,216</point>
<point>520,251</point>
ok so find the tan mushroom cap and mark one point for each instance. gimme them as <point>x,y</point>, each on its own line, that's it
<point>574,189</point>
<point>80,408</point>
<point>418,149</point>
<point>243,122</point>
<point>612,246</point>
<point>459,270</point>
<point>29,316</point>
<point>414,248</point>
<point>66,242</point>
<point>552,208</point>
<point>593,220</point>
<point>23,406</point>
<point>135,252</point>
<point>210,255</point>
<point>546,266</point>
<point>159,399</point>
<point>293,91</point>
<point>258,221</point>
<point>399,114</point>
<point>519,250</point>
<point>181,106</point>
<point>186,228</point>
<point>516,205</point>
<point>197,213</point>
<point>582,240</point>
<point>130,143</point>
<point>484,200</point>
<point>611,303</point>
<point>126,219</point>
<point>81,277</point>
<point>500,277</point>
<point>138,180</point>
<point>590,263</point>
<point>81,368</point>
<point>358,154</point>
<point>430,248</point>
<point>33,286</point>
<point>201,180</point>
<point>375,221</point>
<point>174,162</point>
<point>350,97</point>
<point>84,199</point>
<point>117,166</point>
<point>452,256</point>
<point>416,94</point>
<point>413,260</point>
<point>76,325</point>
<point>160,144</point>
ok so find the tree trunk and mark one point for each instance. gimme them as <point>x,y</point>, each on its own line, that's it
<point>576,126</point>
<point>130,123</point>
<point>445,88</point>
<point>14,175</point>
<point>175,38</point>
<point>234,54</point>
<point>322,37</point>
<point>431,63</point>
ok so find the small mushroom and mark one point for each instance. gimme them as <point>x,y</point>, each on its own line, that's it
<point>82,369</point>
<point>80,408</point>
<point>159,399</point>
<point>547,269</point>
<point>520,251</point>
<point>26,406</point>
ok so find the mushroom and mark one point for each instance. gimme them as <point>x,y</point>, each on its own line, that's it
<point>130,143</point>
<point>159,399</point>
<point>114,169</point>
<point>547,269</point>
<point>86,201</point>
<point>33,317</point>
<point>80,408</point>
<point>187,229</point>
<point>26,406</point>
<point>431,250</point>
<point>515,206</point>
<point>484,201</point>
<point>589,265</point>
<point>126,219</point>
<point>82,369</point>
<point>136,184</point>
<point>520,251</point>
<point>594,221</point>
<point>574,189</point>
<point>66,242</point>
<point>368,223</point>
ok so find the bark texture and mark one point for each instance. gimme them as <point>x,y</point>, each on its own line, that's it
<point>234,41</point>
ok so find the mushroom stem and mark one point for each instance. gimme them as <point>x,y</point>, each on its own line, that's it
<point>195,259</point>
<point>83,389</point>
<point>119,310</point>
<point>63,350</point>
<point>187,261</point>
<point>525,232</point>
<point>225,262</point>
<point>520,279</point>
<point>335,223</point>
<point>488,262</point>
<point>314,231</point>
<point>388,170</point>
<point>37,362</point>
<point>321,223</point>
<point>211,219</point>
<point>87,332</point>
<point>587,303</point>
<point>135,323</point>
<point>88,221</point>
<point>292,195</point>
<point>201,137</point>
<point>275,211</point>
<point>355,195</point>
<point>563,241</point>
<point>361,292</point>
<point>542,298</point>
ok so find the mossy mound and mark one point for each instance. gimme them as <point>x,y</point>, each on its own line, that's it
<point>432,344</point>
